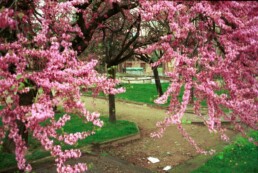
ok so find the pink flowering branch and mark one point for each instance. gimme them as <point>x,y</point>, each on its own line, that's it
<point>213,47</point>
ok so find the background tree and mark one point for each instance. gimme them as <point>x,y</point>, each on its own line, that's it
<point>151,32</point>
<point>119,34</point>
<point>105,24</point>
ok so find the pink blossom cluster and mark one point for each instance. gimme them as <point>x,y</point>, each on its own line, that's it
<point>6,19</point>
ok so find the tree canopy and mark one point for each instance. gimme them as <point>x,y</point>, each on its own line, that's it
<point>212,45</point>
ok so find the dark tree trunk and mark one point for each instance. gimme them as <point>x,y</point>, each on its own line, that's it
<point>192,95</point>
<point>112,108</point>
<point>23,131</point>
<point>111,97</point>
<point>157,81</point>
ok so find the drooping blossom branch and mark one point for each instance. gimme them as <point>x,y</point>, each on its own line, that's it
<point>213,49</point>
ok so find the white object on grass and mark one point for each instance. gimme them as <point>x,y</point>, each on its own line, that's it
<point>167,168</point>
<point>153,159</point>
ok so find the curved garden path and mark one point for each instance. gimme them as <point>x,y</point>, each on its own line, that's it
<point>171,150</point>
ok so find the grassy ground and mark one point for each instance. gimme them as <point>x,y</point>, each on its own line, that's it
<point>107,132</point>
<point>147,93</point>
<point>144,93</point>
<point>239,157</point>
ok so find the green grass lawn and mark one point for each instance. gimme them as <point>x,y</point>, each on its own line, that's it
<point>147,93</point>
<point>144,93</point>
<point>107,132</point>
<point>239,157</point>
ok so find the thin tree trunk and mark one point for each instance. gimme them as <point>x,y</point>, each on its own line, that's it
<point>111,97</point>
<point>192,95</point>
<point>157,81</point>
<point>112,108</point>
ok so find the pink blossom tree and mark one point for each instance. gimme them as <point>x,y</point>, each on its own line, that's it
<point>213,46</point>
<point>39,70</point>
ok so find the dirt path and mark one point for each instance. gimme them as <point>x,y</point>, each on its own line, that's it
<point>96,164</point>
<point>171,150</point>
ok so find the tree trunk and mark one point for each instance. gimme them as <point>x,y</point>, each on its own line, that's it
<point>111,97</point>
<point>157,81</point>
<point>192,95</point>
